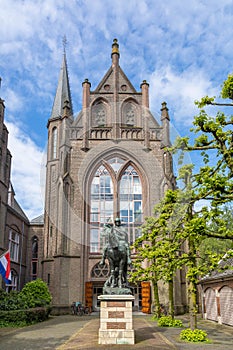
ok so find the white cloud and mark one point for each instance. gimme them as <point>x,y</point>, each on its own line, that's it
<point>14,100</point>
<point>26,170</point>
<point>183,48</point>
<point>180,90</point>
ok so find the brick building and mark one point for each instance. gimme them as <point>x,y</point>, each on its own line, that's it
<point>217,294</point>
<point>14,224</point>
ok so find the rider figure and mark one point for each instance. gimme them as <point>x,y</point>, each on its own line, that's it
<point>121,241</point>
<point>122,238</point>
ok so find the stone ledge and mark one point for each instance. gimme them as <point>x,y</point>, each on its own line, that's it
<point>121,297</point>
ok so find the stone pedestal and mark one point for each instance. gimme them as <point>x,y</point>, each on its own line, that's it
<point>116,321</point>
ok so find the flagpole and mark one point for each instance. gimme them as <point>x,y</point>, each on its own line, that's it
<point>4,253</point>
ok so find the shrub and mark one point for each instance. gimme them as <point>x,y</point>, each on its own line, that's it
<point>168,321</point>
<point>17,318</point>
<point>36,293</point>
<point>196,335</point>
<point>12,301</point>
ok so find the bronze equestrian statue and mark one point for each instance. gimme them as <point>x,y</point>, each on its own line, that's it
<point>118,254</point>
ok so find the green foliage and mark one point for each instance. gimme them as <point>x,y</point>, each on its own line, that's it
<point>210,246</point>
<point>13,301</point>
<point>36,293</point>
<point>168,321</point>
<point>174,237</point>
<point>196,335</point>
<point>227,88</point>
<point>20,318</point>
<point>205,101</point>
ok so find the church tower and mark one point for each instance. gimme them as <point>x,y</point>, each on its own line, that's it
<point>109,161</point>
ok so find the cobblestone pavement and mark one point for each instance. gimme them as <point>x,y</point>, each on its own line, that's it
<point>73,332</point>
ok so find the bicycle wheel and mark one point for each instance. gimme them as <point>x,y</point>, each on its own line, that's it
<point>79,311</point>
<point>73,309</point>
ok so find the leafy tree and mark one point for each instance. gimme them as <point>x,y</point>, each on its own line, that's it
<point>175,220</point>
<point>227,88</point>
<point>159,247</point>
<point>212,183</point>
<point>214,180</point>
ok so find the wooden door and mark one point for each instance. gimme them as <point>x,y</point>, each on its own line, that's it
<point>146,297</point>
<point>89,294</point>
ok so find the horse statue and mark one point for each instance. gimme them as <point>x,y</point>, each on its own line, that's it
<point>118,254</point>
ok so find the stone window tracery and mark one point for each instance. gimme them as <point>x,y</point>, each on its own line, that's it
<point>100,271</point>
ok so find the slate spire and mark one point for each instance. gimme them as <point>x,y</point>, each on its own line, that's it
<point>63,95</point>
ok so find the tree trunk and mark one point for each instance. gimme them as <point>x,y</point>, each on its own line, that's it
<point>192,305</point>
<point>192,287</point>
<point>171,298</point>
<point>156,298</point>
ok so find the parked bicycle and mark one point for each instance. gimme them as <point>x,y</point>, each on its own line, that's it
<point>78,309</point>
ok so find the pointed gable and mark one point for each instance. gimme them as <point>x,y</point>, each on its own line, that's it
<point>107,84</point>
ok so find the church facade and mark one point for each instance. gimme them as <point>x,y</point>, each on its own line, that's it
<point>109,161</point>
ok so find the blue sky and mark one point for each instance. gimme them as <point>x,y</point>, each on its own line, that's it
<point>184,49</point>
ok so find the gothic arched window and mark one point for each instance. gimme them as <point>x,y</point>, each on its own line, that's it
<point>116,190</point>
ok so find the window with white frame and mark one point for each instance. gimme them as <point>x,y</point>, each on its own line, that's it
<point>116,190</point>
<point>14,245</point>
<point>14,282</point>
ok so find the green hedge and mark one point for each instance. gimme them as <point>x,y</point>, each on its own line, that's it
<point>24,317</point>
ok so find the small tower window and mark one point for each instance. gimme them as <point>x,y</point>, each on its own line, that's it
<point>34,261</point>
<point>54,143</point>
